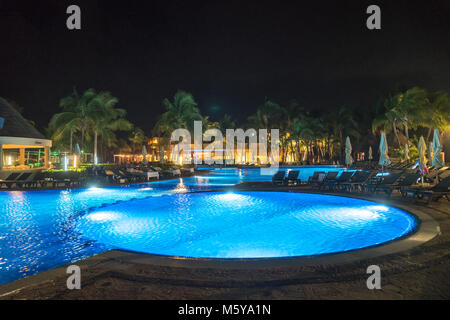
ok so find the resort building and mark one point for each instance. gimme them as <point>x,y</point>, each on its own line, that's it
<point>22,147</point>
<point>157,151</point>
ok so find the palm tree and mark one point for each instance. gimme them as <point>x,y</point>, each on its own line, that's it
<point>302,133</point>
<point>437,114</point>
<point>180,113</point>
<point>82,109</point>
<point>388,119</point>
<point>343,124</point>
<point>72,119</point>
<point>89,112</point>
<point>137,138</point>
<point>226,123</point>
<point>289,113</point>
<point>104,118</point>
<point>411,108</point>
<point>268,116</point>
<point>406,110</point>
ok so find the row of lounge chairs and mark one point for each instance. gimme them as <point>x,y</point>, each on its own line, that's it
<point>26,180</point>
<point>93,175</point>
<point>291,178</point>
<point>63,179</point>
<point>407,183</point>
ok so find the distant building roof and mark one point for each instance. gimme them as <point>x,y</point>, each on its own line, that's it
<point>14,125</point>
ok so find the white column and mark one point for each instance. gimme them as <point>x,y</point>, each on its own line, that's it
<point>46,157</point>
<point>22,156</point>
<point>1,157</point>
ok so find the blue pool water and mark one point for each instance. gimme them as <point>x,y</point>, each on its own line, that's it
<point>253,174</point>
<point>40,230</point>
<point>244,224</point>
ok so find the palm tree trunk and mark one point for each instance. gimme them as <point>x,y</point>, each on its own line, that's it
<point>394,128</point>
<point>71,140</point>
<point>328,147</point>
<point>429,134</point>
<point>82,138</point>
<point>407,133</point>
<point>95,146</point>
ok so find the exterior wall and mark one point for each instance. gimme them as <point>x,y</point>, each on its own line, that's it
<point>22,143</point>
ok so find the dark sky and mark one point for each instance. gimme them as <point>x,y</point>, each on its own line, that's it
<point>227,54</point>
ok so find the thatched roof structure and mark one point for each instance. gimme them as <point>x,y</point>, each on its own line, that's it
<point>14,125</point>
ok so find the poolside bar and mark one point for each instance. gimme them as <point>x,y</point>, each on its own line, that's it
<point>22,146</point>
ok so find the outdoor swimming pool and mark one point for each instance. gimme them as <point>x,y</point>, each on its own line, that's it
<point>40,230</point>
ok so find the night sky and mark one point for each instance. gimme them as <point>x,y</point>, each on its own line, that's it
<point>230,55</point>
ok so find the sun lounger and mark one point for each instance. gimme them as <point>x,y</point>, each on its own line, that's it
<point>37,179</point>
<point>442,189</point>
<point>112,176</point>
<point>125,176</point>
<point>10,180</point>
<point>336,184</point>
<point>330,178</point>
<point>152,174</point>
<point>21,180</point>
<point>359,178</point>
<point>187,170</point>
<point>16,179</point>
<point>278,177</point>
<point>66,179</point>
<point>386,180</point>
<point>317,176</point>
<point>431,176</point>
<point>408,181</point>
<point>292,177</point>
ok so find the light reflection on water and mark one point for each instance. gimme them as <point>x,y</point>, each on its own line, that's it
<point>37,228</point>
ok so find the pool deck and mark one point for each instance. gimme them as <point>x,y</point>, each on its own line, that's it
<point>408,270</point>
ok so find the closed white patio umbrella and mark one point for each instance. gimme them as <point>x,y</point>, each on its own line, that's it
<point>437,149</point>
<point>384,157</point>
<point>406,153</point>
<point>77,150</point>
<point>144,154</point>
<point>162,160</point>
<point>77,156</point>
<point>348,152</point>
<point>430,152</point>
<point>422,156</point>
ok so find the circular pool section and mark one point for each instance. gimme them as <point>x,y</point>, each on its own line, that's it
<point>245,224</point>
